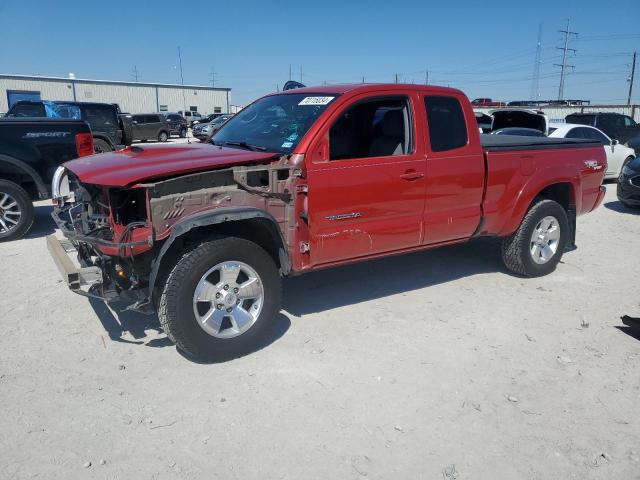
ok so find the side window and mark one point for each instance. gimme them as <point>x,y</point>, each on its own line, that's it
<point>138,118</point>
<point>447,128</point>
<point>576,133</point>
<point>377,127</point>
<point>629,122</point>
<point>597,136</point>
<point>100,116</point>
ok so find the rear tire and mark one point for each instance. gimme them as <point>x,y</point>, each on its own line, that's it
<point>15,206</point>
<point>100,146</point>
<point>225,339</point>
<point>536,247</point>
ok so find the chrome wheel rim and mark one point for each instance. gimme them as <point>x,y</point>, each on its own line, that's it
<point>228,299</point>
<point>10,213</point>
<point>545,240</point>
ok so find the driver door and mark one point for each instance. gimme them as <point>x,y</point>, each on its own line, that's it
<point>367,196</point>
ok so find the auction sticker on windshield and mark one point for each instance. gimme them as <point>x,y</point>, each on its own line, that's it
<point>316,100</point>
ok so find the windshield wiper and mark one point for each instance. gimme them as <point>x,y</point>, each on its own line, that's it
<point>254,148</point>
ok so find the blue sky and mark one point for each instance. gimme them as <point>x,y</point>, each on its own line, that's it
<point>486,48</point>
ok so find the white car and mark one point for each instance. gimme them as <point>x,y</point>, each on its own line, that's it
<point>617,154</point>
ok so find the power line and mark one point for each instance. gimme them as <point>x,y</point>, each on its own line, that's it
<point>564,65</point>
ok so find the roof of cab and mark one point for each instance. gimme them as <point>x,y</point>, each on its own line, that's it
<point>368,87</point>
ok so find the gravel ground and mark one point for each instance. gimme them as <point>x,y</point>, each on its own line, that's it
<point>427,366</point>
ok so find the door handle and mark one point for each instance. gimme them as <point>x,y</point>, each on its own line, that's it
<point>411,175</point>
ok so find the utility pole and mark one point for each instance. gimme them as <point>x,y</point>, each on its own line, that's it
<point>289,71</point>
<point>213,76</point>
<point>426,77</point>
<point>300,73</point>
<point>135,73</point>
<point>535,83</point>
<point>633,71</point>
<point>564,65</point>
<point>362,78</point>
<point>184,100</point>
<point>396,78</point>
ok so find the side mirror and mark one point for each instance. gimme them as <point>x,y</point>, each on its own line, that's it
<point>615,141</point>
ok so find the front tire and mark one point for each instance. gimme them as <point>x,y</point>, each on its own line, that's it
<point>220,299</point>
<point>163,136</point>
<point>183,132</point>
<point>537,245</point>
<point>16,211</point>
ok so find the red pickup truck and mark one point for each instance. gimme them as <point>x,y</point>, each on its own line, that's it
<point>308,179</point>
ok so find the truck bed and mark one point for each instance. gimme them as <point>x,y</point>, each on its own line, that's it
<point>516,142</point>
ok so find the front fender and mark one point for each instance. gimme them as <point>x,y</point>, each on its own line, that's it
<point>215,217</point>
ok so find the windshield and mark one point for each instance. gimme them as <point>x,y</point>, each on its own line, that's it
<point>275,123</point>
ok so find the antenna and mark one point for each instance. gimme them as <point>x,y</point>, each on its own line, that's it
<point>564,65</point>
<point>213,76</point>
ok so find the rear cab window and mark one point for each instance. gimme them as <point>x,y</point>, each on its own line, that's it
<point>27,110</point>
<point>446,123</point>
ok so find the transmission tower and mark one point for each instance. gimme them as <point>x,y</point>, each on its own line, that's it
<point>535,83</point>
<point>564,66</point>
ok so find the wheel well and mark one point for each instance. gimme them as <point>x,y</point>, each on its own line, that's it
<point>20,177</point>
<point>261,231</point>
<point>559,192</point>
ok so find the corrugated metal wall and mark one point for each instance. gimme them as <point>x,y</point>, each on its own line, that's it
<point>131,97</point>
<point>53,90</point>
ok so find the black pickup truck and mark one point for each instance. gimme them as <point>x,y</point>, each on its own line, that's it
<point>31,149</point>
<point>109,128</point>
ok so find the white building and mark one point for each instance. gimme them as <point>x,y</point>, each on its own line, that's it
<point>133,97</point>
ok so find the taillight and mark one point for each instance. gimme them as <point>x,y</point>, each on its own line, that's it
<point>84,144</point>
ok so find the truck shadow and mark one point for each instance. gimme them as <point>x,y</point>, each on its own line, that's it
<point>617,206</point>
<point>118,322</point>
<point>336,287</point>
<point>42,222</point>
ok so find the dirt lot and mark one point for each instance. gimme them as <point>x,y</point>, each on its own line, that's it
<point>428,366</point>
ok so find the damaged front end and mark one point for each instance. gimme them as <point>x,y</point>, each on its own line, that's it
<point>107,234</point>
<point>116,238</point>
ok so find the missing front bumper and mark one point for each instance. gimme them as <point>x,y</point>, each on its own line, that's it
<point>74,276</point>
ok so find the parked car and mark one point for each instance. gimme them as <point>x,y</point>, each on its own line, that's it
<point>103,119</point>
<point>307,179</point>
<point>177,124</point>
<point>191,117</point>
<point>30,151</point>
<point>617,154</point>
<point>519,117</point>
<point>527,132</point>
<point>629,184</point>
<point>208,118</point>
<point>486,102</point>
<point>204,131</point>
<point>150,126</point>
<point>615,125</point>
